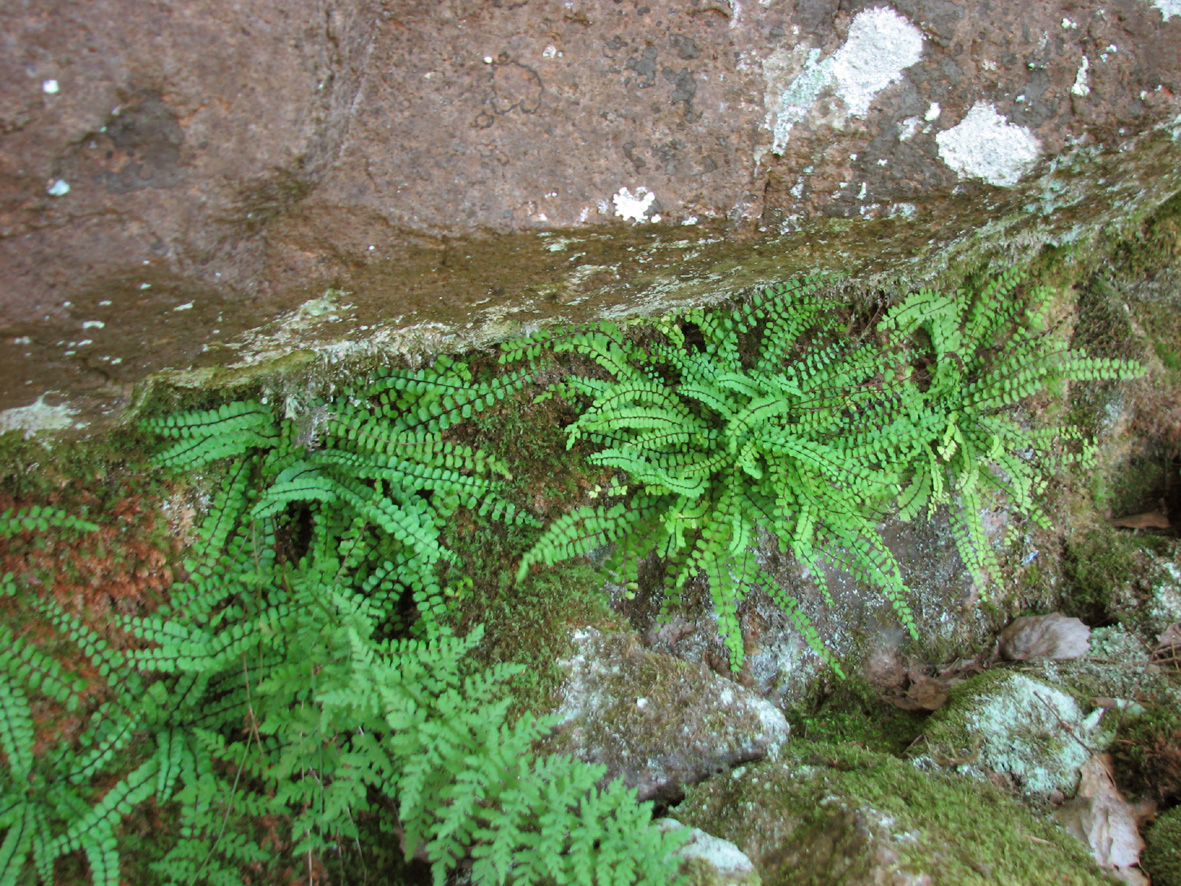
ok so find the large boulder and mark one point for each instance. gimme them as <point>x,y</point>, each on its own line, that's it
<point>174,176</point>
<point>828,814</point>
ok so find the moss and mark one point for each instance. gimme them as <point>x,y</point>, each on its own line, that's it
<point>852,712</point>
<point>530,625</point>
<point>1162,856</point>
<point>1147,752</point>
<point>1098,564</point>
<point>829,813</point>
<point>82,476</point>
<point>1006,724</point>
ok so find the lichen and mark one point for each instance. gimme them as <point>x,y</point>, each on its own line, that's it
<point>829,813</point>
<point>1006,723</point>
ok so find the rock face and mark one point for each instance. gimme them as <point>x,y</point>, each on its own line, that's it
<point>485,165</point>
<point>656,721</point>
<point>839,814</point>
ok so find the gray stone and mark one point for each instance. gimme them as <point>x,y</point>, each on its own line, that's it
<point>658,722</point>
<point>840,814</point>
<point>1006,725</point>
<point>711,861</point>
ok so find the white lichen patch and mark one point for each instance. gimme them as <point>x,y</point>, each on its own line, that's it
<point>1164,603</point>
<point>37,416</point>
<point>633,207</point>
<point>1082,79</point>
<point>880,46</point>
<point>985,145</point>
<point>1168,8</point>
<point>1021,727</point>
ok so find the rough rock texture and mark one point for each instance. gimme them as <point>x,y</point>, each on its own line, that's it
<point>711,861</point>
<point>1007,725</point>
<point>175,174</point>
<point>838,814</point>
<point>656,721</point>
<point>858,625</point>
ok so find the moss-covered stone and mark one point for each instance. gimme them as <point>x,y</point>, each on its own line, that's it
<point>828,814</point>
<point>658,722</point>
<point>1118,667</point>
<point>1006,723</point>
<point>1162,857</point>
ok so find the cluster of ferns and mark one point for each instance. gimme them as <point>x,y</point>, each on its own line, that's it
<point>303,685</point>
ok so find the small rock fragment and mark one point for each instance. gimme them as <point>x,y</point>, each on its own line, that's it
<point>712,861</point>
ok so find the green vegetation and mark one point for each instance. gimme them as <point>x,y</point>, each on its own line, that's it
<point>1162,857</point>
<point>853,712</point>
<point>315,689</point>
<point>1147,751</point>
<point>828,813</point>
<point>774,418</point>
<point>303,686</point>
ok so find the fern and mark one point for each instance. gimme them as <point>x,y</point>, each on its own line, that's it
<point>982,356</point>
<point>772,418</point>
<point>303,671</point>
<point>716,445</point>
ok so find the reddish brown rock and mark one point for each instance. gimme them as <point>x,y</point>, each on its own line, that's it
<point>481,166</point>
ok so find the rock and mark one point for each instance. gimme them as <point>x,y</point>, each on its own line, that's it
<point>656,721</point>
<point>1037,637</point>
<point>1119,668</point>
<point>463,169</point>
<point>1013,726</point>
<point>839,814</point>
<point>710,861</point>
<point>1101,818</point>
<point>1163,609</point>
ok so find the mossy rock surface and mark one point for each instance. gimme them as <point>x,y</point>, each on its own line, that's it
<point>1004,723</point>
<point>836,814</point>
<point>1162,857</point>
<point>656,721</point>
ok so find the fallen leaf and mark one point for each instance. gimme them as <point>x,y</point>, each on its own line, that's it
<point>1100,817</point>
<point>1147,520</point>
<point>1036,637</point>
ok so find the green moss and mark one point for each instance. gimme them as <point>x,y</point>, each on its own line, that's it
<point>1162,857</point>
<point>64,471</point>
<point>830,813</point>
<point>1098,563</point>
<point>1147,751</point>
<point>853,712</point>
<point>1003,723</point>
<point>530,624</point>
